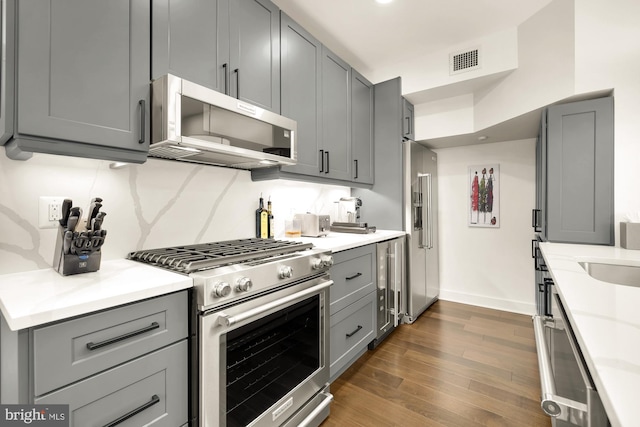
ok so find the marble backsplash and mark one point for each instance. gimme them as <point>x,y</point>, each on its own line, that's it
<point>156,204</point>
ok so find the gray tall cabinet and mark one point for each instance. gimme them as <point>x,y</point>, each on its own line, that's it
<point>231,46</point>
<point>575,149</point>
<point>82,78</point>
<point>382,204</point>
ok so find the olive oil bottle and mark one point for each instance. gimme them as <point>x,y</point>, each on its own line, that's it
<point>270,219</point>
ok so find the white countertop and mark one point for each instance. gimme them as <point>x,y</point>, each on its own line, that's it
<point>606,322</point>
<point>337,242</point>
<point>36,297</point>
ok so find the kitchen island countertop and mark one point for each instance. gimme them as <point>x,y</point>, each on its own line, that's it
<point>606,321</point>
<point>37,297</point>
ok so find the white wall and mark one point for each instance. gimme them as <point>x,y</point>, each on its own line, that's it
<point>608,56</point>
<point>486,266</point>
<point>156,204</point>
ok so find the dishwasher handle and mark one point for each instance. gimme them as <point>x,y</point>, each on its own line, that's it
<point>552,404</point>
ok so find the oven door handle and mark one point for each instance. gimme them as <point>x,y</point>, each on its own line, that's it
<point>552,404</point>
<point>309,419</point>
<point>226,320</point>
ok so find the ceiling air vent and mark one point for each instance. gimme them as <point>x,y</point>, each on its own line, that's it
<point>460,62</point>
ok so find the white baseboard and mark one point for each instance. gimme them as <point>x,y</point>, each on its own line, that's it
<point>519,307</point>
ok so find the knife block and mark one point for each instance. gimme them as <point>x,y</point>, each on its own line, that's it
<point>67,264</point>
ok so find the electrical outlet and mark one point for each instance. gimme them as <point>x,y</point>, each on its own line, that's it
<point>49,211</point>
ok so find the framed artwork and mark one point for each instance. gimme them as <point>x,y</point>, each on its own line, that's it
<point>484,195</point>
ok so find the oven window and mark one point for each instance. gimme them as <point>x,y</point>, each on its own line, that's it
<point>268,358</point>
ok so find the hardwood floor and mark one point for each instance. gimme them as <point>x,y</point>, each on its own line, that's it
<point>457,365</point>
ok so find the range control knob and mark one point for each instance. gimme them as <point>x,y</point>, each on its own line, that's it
<point>323,262</point>
<point>317,264</point>
<point>243,284</point>
<point>327,260</point>
<point>286,272</point>
<point>221,289</point>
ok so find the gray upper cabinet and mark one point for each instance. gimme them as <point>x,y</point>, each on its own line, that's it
<point>7,63</point>
<point>579,172</point>
<point>255,52</point>
<point>336,117</point>
<point>301,56</point>
<point>231,46</point>
<point>190,39</point>
<point>408,129</point>
<point>361,128</point>
<point>83,79</point>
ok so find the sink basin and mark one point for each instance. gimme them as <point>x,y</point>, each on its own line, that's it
<point>613,273</point>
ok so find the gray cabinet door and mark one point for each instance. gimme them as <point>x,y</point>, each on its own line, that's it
<point>255,53</point>
<point>336,117</point>
<point>580,172</point>
<point>301,56</point>
<point>83,72</point>
<point>190,39</point>
<point>7,27</point>
<point>408,128</point>
<point>361,128</point>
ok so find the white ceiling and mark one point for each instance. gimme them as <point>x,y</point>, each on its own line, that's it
<point>370,36</point>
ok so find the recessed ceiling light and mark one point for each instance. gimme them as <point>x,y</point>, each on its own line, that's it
<point>383,1</point>
<point>483,138</point>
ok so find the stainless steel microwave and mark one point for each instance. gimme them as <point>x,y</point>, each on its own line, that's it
<point>193,123</point>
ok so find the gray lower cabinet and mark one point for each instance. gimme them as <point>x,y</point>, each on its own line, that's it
<point>575,178</point>
<point>82,79</point>
<point>352,307</point>
<point>130,362</point>
<point>149,391</point>
<point>361,128</point>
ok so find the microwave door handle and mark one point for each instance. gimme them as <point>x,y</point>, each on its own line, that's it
<point>226,320</point>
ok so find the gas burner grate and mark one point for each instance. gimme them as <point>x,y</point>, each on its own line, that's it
<point>203,256</point>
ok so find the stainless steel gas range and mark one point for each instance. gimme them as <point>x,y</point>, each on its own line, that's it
<point>260,354</point>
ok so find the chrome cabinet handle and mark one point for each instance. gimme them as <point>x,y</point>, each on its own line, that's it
<point>535,219</point>
<point>226,320</point>
<point>321,161</point>
<point>326,155</point>
<point>141,103</point>
<point>354,276</point>
<point>354,332</point>
<point>94,346</point>
<point>355,162</point>
<point>154,399</point>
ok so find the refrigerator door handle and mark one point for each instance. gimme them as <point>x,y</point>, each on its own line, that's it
<point>426,234</point>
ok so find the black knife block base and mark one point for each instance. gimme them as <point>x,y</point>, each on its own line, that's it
<point>67,264</point>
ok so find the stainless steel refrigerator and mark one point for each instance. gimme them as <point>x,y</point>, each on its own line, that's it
<point>420,217</point>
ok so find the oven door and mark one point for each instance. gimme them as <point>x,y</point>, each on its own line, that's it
<point>569,395</point>
<point>263,360</point>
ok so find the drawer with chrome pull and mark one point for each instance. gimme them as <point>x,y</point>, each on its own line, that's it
<point>353,275</point>
<point>72,350</point>
<point>149,391</point>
